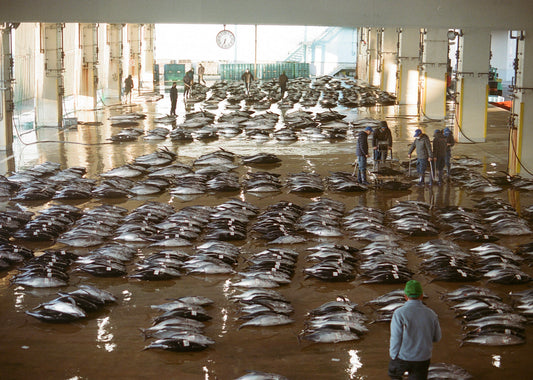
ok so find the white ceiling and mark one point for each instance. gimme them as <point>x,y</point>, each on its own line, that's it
<point>486,14</point>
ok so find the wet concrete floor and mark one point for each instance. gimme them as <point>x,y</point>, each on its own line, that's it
<point>108,344</point>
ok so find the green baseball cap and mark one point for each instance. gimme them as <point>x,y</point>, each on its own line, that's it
<point>413,289</point>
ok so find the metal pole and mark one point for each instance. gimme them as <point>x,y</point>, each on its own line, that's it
<point>59,73</point>
<point>94,64</point>
<point>7,88</point>
<point>255,61</point>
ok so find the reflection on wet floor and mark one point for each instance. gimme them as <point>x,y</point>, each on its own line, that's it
<point>111,337</point>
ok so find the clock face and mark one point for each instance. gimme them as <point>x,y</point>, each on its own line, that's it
<point>225,39</point>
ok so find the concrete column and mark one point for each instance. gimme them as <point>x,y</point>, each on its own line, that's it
<point>147,76</point>
<point>503,52</point>
<point>114,78</point>
<point>435,64</point>
<point>522,134</point>
<point>89,60</point>
<point>50,98</point>
<point>134,45</point>
<point>473,85</point>
<point>389,55</point>
<point>409,61</point>
<point>374,77</point>
<point>363,55</point>
<point>103,62</point>
<point>6,91</point>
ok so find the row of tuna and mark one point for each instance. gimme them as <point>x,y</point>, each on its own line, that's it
<point>487,320</point>
<point>73,305</point>
<point>201,125</point>
<point>157,225</point>
<point>436,371</point>
<point>333,322</point>
<point>181,325</point>
<point>213,172</point>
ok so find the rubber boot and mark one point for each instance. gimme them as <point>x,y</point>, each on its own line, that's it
<point>359,179</point>
<point>421,181</point>
<point>363,177</point>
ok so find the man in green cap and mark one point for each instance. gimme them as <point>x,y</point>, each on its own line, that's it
<point>414,328</point>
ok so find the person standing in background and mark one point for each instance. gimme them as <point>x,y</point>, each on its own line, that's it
<point>424,155</point>
<point>382,142</point>
<point>128,86</point>
<point>247,77</point>
<point>173,98</point>
<point>201,72</point>
<point>187,83</point>
<point>450,141</point>
<point>439,152</point>
<point>361,151</point>
<point>283,79</point>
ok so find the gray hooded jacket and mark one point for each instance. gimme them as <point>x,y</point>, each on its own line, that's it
<point>423,147</point>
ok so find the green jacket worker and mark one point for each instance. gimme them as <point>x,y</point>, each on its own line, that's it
<point>413,330</point>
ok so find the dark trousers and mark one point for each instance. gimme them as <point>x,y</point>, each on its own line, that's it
<point>448,160</point>
<point>381,155</point>
<point>421,167</point>
<point>283,89</point>
<point>439,164</point>
<point>361,175</point>
<point>173,106</point>
<point>416,370</point>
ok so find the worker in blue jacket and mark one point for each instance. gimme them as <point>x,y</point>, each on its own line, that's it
<point>424,155</point>
<point>361,151</point>
<point>450,141</point>
<point>439,153</point>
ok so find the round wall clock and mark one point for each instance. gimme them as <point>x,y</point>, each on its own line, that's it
<point>225,39</point>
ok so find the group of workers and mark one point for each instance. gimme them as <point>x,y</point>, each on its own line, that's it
<point>381,144</point>
<point>188,81</point>
<point>437,157</point>
<point>247,77</point>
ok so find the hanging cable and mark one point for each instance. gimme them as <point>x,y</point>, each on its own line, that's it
<point>515,153</point>
<point>456,122</point>
<point>456,119</point>
<point>55,141</point>
<point>428,118</point>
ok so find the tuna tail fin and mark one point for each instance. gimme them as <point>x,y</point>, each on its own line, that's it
<point>143,331</point>
<point>299,337</point>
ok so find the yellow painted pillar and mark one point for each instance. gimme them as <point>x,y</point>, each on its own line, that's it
<point>521,136</point>
<point>473,73</point>
<point>6,90</point>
